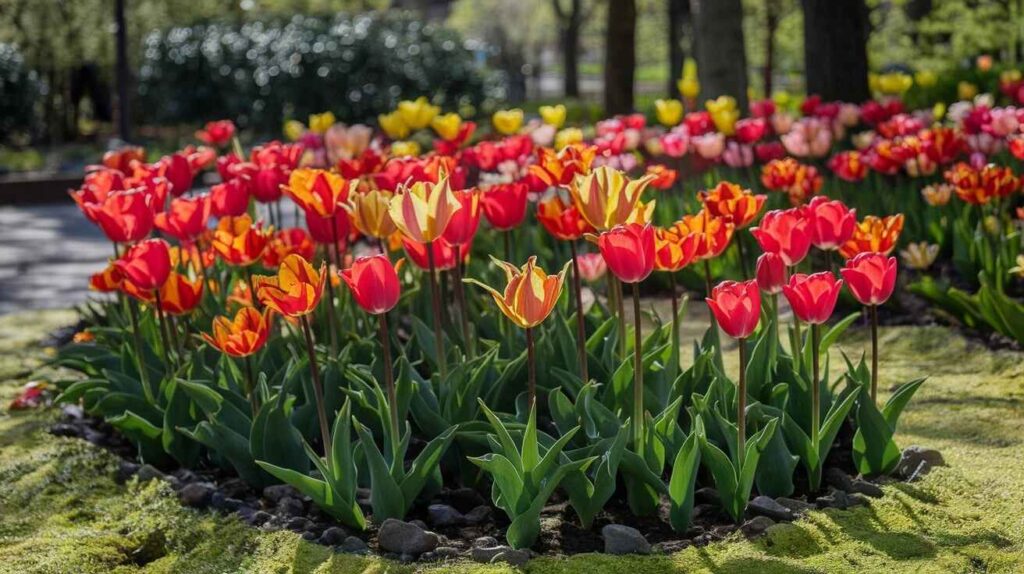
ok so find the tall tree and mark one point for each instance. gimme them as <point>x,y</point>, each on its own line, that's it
<point>620,57</point>
<point>123,74</point>
<point>721,53</point>
<point>835,49</point>
<point>570,23</point>
<point>678,21</point>
<point>771,23</point>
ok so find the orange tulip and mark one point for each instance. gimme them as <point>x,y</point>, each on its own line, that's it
<point>674,250</point>
<point>295,290</point>
<point>369,213</point>
<point>422,211</point>
<point>606,197</point>
<point>557,169</point>
<point>318,191</point>
<point>106,281</point>
<point>733,203</point>
<point>186,218</point>
<point>239,241</point>
<point>874,235</point>
<point>243,336</point>
<point>530,294</point>
<point>284,243</point>
<point>715,233</point>
<point>562,219</point>
<point>178,295</point>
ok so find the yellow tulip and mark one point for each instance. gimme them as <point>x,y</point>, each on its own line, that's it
<point>1019,268</point>
<point>919,256</point>
<point>926,78</point>
<point>418,113</point>
<point>508,122</point>
<point>393,125</point>
<point>938,111</point>
<point>530,294</point>
<point>293,129</point>
<point>447,125</point>
<point>689,88</point>
<point>724,113</point>
<point>937,195</point>
<point>605,197</point>
<point>966,90</point>
<point>567,137</point>
<point>319,123</point>
<point>669,112</point>
<point>369,213</point>
<point>421,211</point>
<point>553,115</point>
<point>894,83</point>
<point>408,148</point>
<point>1009,76</point>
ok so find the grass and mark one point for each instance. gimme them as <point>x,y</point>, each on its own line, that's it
<point>61,511</point>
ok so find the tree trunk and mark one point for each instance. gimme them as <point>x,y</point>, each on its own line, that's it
<point>771,24</point>
<point>570,55</point>
<point>123,77</point>
<point>678,14</point>
<point>835,49</point>
<point>722,64</point>
<point>620,57</point>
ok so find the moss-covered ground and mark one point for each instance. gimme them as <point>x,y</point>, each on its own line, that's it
<point>61,510</point>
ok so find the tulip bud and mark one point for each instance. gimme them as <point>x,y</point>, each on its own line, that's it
<point>771,273</point>
<point>737,307</point>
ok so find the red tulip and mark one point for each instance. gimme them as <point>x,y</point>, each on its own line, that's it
<point>771,273</point>
<point>285,242</point>
<point>322,228</point>
<point>217,133</point>
<point>185,218</point>
<point>504,205</point>
<point>296,289</point>
<point>229,199</point>
<point>177,170</point>
<point>266,184</point>
<point>737,307</point>
<point>562,218</point>
<point>831,223</point>
<point>374,283</point>
<point>813,297</point>
<point>146,264</point>
<point>444,254</point>
<point>750,130</point>
<point>178,295</point>
<point>464,221</point>
<point>784,233</point>
<point>106,281</point>
<point>871,277</point>
<point>124,217</point>
<point>629,251</point>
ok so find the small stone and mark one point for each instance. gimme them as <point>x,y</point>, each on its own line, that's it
<point>94,436</point>
<point>74,412</point>
<point>353,545</point>
<point>671,546</point>
<point>517,557</point>
<point>706,495</point>
<point>485,542</point>
<point>479,514</point>
<point>254,517</point>
<point>186,476</point>
<point>797,506</point>
<point>419,523</point>
<point>861,486</point>
<point>234,488</point>
<point>485,554</point>
<point>464,498</point>
<point>766,506</point>
<point>196,494</point>
<point>839,499</point>
<point>278,491</point>
<point>333,536</point>
<point>148,472</point>
<point>299,524</point>
<point>917,461</point>
<point>621,539</point>
<point>756,526</point>
<point>232,504</point>
<point>446,552</point>
<point>444,515</point>
<point>839,479</point>
<point>289,506</point>
<point>64,429</point>
<point>125,470</point>
<point>310,536</point>
<point>405,537</point>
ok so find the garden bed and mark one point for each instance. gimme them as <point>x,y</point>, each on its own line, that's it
<point>65,511</point>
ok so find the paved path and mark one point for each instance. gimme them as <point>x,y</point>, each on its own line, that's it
<point>47,253</point>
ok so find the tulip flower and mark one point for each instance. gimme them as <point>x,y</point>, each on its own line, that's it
<point>830,223</point>
<point>629,251</point>
<point>295,292</point>
<point>606,197</point>
<point>107,281</point>
<point>418,113</point>
<point>715,234</point>
<point>785,233</point>
<point>561,168</point>
<point>229,199</point>
<point>508,122</point>
<point>592,266</point>
<point>375,287</point>
<point>737,310</point>
<point>919,255</point>
<point>422,211</point>
<point>286,242</point>
<point>324,230</point>
<point>528,298</point>
<point>871,278</point>
<point>668,112</point>
<point>239,241</point>
<point>464,221</point>
<point>370,215</point>
<point>241,337</point>
<point>318,191</point>
<point>664,178</point>
<point>146,264</point>
<point>937,195</point>
<point>733,203</point>
<point>179,295</point>
<point>186,217</point>
<point>553,115</point>
<point>124,217</point>
<point>874,235</point>
<point>562,219</point>
<point>447,125</point>
<point>178,171</point>
<point>504,205</point>
<point>218,133</point>
<point>771,273</point>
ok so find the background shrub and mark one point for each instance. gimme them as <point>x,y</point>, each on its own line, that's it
<point>19,90</point>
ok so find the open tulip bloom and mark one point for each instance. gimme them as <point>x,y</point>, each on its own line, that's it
<point>871,277</point>
<point>737,307</point>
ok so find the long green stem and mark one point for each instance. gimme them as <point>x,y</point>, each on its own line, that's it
<point>330,316</point>
<point>389,382</point>
<point>741,404</point>
<point>133,312</point>
<point>708,287</point>
<point>162,327</point>
<point>251,391</point>
<point>435,302</point>
<point>815,386</point>
<point>318,389</point>
<point>531,368</point>
<point>873,311</point>
<point>638,373</point>
<point>581,327</point>
<point>460,300</point>
<point>619,296</point>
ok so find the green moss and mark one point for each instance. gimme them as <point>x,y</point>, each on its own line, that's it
<point>61,511</point>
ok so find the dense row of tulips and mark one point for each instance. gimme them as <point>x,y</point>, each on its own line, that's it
<point>261,343</point>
